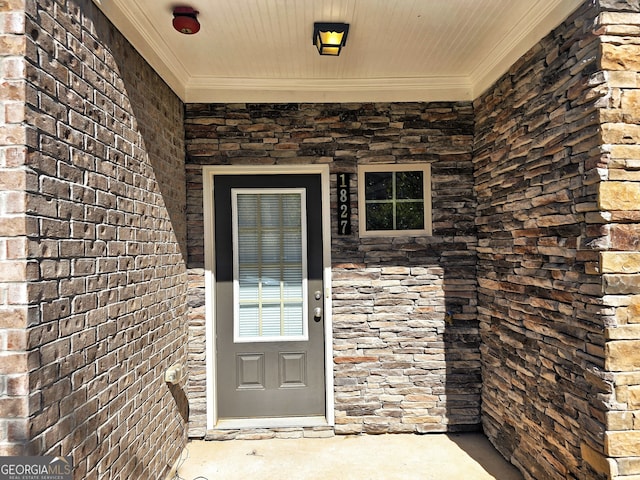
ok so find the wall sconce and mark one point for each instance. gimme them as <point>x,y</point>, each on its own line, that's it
<point>185,20</point>
<point>329,38</point>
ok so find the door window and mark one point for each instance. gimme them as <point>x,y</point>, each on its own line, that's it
<point>269,265</point>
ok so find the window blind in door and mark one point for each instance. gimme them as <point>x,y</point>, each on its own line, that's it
<point>269,241</point>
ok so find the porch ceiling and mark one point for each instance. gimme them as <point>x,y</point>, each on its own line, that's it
<point>397,50</point>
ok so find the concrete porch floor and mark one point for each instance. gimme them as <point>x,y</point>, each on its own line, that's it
<point>467,456</point>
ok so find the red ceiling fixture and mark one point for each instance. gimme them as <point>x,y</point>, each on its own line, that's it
<point>185,20</point>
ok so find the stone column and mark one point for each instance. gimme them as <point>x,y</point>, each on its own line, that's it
<point>619,205</point>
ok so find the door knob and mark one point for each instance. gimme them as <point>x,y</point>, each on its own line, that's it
<point>317,314</point>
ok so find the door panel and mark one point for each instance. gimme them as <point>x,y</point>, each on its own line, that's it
<point>268,247</point>
<point>250,371</point>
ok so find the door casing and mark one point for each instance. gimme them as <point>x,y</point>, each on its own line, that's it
<point>208,174</point>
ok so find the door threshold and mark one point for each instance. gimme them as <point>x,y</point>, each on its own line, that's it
<point>276,422</point>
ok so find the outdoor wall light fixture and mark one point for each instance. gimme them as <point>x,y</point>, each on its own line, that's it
<point>329,38</point>
<point>185,20</point>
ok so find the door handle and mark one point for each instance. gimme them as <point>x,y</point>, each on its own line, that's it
<point>317,314</point>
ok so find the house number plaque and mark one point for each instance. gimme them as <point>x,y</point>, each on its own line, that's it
<point>344,205</point>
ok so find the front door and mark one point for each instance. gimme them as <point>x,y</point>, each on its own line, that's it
<point>269,296</point>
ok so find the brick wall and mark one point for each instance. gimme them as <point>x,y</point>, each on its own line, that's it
<point>538,164</point>
<point>618,28</point>
<point>101,241</point>
<point>400,363</point>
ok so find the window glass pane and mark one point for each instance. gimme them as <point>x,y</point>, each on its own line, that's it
<point>247,205</point>
<point>291,205</point>
<point>293,319</point>
<point>269,269</point>
<point>409,185</point>
<point>270,210</point>
<point>379,216</point>
<point>270,282</point>
<point>270,320</point>
<point>378,185</point>
<point>270,246</point>
<point>292,287</point>
<point>249,327</point>
<point>292,247</point>
<point>248,284</point>
<point>410,216</point>
<point>248,245</point>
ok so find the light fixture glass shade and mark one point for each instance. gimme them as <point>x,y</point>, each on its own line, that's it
<point>329,38</point>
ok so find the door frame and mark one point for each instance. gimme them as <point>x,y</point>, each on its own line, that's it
<point>208,174</point>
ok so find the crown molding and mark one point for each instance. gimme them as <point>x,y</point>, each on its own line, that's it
<point>234,90</point>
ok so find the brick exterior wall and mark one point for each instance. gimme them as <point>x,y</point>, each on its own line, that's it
<point>93,230</point>
<point>405,335</point>
<point>557,192</point>
<point>15,314</point>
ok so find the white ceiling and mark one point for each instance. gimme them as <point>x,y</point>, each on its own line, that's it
<point>397,50</point>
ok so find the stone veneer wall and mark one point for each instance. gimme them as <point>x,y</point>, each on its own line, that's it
<point>558,198</point>
<point>400,363</point>
<point>93,299</point>
<point>618,28</point>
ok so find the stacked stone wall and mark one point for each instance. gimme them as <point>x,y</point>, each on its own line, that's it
<point>95,218</point>
<point>618,28</point>
<point>542,319</point>
<point>405,334</point>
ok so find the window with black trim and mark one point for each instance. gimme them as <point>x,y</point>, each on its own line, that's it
<point>394,199</point>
